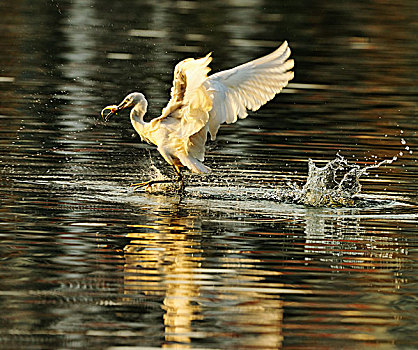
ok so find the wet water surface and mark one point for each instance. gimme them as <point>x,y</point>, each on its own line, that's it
<point>86,262</point>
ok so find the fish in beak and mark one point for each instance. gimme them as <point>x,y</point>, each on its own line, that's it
<point>109,111</point>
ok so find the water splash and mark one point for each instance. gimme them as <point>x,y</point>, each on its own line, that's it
<point>169,187</point>
<point>335,184</point>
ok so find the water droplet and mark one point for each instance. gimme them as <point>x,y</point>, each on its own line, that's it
<point>403,141</point>
<point>400,153</point>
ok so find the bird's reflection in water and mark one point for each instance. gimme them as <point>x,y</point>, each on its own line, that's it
<point>165,270</point>
<point>166,258</point>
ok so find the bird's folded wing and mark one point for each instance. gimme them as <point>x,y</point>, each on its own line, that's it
<point>247,87</point>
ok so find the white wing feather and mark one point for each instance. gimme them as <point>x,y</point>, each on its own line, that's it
<point>200,104</point>
<point>189,101</point>
<point>247,87</point>
<point>188,108</point>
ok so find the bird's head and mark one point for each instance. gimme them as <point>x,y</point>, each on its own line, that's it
<point>134,99</point>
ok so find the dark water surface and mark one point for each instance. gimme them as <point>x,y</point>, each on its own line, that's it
<point>86,263</point>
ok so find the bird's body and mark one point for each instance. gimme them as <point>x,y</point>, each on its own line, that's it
<point>167,132</point>
<point>200,104</point>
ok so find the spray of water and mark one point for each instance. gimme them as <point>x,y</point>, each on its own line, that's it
<point>153,173</point>
<point>335,184</point>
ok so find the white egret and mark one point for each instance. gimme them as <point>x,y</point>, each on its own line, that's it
<point>200,104</point>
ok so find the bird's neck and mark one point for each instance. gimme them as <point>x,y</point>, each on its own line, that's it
<point>137,120</point>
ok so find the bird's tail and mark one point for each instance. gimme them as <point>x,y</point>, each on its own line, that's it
<point>194,165</point>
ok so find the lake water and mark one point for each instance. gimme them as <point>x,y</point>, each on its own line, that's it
<point>86,263</point>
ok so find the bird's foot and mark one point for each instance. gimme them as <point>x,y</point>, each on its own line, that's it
<point>148,184</point>
<point>139,185</point>
<point>170,186</point>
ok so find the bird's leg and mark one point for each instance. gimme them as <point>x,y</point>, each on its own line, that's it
<point>148,184</point>
<point>179,177</point>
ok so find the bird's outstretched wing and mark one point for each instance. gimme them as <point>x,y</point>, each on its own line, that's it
<point>247,87</point>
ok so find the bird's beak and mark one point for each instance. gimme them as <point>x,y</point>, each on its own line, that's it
<point>110,111</point>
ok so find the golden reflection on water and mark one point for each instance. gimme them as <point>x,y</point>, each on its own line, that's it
<point>170,270</point>
<point>242,297</point>
<point>167,260</point>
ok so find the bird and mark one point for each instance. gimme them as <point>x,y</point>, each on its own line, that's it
<point>200,103</point>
